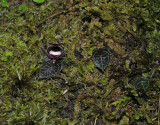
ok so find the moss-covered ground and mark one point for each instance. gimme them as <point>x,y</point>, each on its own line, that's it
<point>80,94</point>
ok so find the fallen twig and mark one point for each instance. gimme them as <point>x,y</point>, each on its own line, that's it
<point>55,14</point>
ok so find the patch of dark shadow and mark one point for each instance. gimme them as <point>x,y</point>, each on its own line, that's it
<point>133,65</point>
<point>61,81</point>
<point>76,87</point>
<point>130,42</point>
<point>51,104</point>
<point>89,0</point>
<point>19,85</point>
<point>78,54</point>
<point>117,56</point>
<point>135,72</point>
<point>105,23</point>
<point>134,68</point>
<point>142,25</point>
<point>87,19</point>
<point>64,112</point>
<point>84,28</point>
<point>96,14</point>
<point>30,122</point>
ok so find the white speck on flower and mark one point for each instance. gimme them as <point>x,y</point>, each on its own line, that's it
<point>55,53</point>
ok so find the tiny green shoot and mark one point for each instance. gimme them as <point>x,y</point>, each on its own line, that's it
<point>22,8</point>
<point>121,100</point>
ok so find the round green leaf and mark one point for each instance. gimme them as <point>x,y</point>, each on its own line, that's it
<point>22,8</point>
<point>9,54</point>
<point>4,3</point>
<point>4,58</point>
<point>38,1</point>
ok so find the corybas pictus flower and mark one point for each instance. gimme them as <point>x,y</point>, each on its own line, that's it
<point>55,51</point>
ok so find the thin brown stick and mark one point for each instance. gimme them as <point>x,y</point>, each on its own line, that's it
<point>53,15</point>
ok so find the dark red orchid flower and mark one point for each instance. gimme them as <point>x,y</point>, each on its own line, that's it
<point>55,51</point>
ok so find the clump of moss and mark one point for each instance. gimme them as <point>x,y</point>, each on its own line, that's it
<point>80,94</point>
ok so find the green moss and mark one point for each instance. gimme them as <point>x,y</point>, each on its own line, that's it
<point>80,94</point>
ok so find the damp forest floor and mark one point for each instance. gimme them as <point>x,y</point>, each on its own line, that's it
<point>126,93</point>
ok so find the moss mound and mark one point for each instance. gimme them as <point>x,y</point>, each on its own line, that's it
<point>80,93</point>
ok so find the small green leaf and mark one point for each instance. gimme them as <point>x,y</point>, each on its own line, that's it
<point>127,63</point>
<point>138,115</point>
<point>22,8</point>
<point>134,27</point>
<point>119,101</point>
<point>90,50</point>
<point>145,74</point>
<point>9,54</point>
<point>4,3</point>
<point>116,103</point>
<point>4,58</point>
<point>38,1</point>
